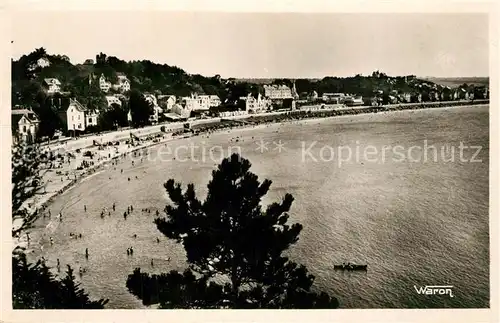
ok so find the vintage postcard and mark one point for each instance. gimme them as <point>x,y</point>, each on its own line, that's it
<point>216,158</point>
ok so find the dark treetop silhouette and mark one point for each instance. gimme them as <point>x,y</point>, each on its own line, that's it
<point>233,247</point>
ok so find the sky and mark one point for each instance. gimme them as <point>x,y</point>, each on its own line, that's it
<point>267,45</point>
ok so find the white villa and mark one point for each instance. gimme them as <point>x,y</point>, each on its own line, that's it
<point>196,102</point>
<point>277,92</point>
<point>333,97</point>
<point>214,101</point>
<point>43,62</point>
<point>103,84</point>
<point>79,117</point>
<point>25,124</point>
<point>123,84</point>
<point>168,101</point>
<point>52,85</point>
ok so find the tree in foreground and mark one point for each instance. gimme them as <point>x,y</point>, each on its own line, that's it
<point>33,285</point>
<point>233,247</point>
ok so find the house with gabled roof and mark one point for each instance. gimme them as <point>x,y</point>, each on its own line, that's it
<point>167,101</point>
<point>52,85</point>
<point>25,124</point>
<point>104,85</point>
<point>123,84</point>
<point>79,117</point>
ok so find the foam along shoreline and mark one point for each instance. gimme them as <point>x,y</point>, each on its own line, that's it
<point>40,201</point>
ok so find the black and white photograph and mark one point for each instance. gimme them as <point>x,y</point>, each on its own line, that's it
<point>165,160</point>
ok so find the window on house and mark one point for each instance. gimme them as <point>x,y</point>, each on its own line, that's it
<point>72,118</point>
<point>24,128</point>
<point>78,117</point>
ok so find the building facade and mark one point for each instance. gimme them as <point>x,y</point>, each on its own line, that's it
<point>103,84</point>
<point>214,101</point>
<point>123,84</point>
<point>167,101</point>
<point>255,104</point>
<point>335,98</point>
<point>153,118</point>
<point>52,85</point>
<point>277,92</point>
<point>25,124</point>
<point>43,62</point>
<point>79,118</point>
<point>182,111</point>
<point>196,102</point>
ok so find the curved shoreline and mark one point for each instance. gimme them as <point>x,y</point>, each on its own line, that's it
<point>262,121</point>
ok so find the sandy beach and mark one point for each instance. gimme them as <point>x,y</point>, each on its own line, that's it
<point>61,179</point>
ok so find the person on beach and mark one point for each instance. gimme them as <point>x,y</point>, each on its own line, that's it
<point>157,240</point>
<point>125,215</point>
<point>128,251</point>
<point>131,251</point>
<point>86,253</point>
<point>51,241</point>
<point>114,206</point>
<point>157,213</point>
<point>152,264</point>
<point>121,171</point>
<point>80,235</point>
<point>28,238</point>
<point>85,208</point>
<point>131,208</point>
<point>129,179</point>
<point>135,236</point>
<point>58,265</point>
<point>80,272</point>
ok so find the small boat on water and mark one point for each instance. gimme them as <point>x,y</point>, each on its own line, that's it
<point>350,266</point>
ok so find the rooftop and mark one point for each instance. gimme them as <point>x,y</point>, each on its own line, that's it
<point>50,81</point>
